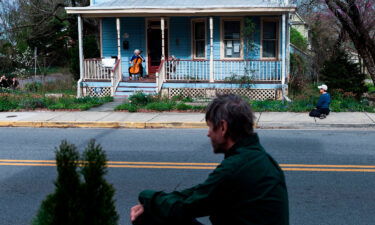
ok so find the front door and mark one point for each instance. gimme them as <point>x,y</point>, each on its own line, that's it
<point>154,49</point>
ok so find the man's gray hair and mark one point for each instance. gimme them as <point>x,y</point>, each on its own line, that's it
<point>235,111</point>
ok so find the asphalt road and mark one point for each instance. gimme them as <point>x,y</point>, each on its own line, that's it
<point>320,191</point>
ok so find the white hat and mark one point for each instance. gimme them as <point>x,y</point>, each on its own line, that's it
<point>323,86</point>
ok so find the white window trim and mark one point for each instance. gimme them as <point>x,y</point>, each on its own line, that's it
<point>193,36</point>
<point>222,47</point>
<point>278,46</point>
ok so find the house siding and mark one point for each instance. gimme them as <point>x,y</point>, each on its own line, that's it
<point>135,28</point>
<point>180,37</point>
<point>180,44</point>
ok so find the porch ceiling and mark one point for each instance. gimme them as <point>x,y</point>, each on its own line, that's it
<point>181,8</point>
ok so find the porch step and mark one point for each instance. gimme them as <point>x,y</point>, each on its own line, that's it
<point>127,89</point>
<point>137,84</point>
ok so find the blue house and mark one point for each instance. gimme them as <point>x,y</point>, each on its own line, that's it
<point>191,47</point>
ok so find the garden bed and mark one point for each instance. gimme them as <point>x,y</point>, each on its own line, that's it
<point>18,101</point>
<point>145,103</point>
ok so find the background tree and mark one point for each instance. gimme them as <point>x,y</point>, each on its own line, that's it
<point>339,72</point>
<point>44,24</point>
<point>344,23</point>
<point>358,21</point>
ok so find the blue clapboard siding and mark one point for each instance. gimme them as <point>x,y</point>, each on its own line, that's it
<point>180,37</point>
<point>135,27</point>
<point>109,37</point>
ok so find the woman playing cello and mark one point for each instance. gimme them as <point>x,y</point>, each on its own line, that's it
<point>136,62</point>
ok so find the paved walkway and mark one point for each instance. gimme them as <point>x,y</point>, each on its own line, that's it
<point>266,120</point>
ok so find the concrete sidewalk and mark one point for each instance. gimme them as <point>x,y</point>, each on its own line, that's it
<point>266,120</point>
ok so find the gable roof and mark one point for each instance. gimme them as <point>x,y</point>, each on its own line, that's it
<point>182,7</point>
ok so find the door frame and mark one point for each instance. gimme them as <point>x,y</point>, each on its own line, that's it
<point>150,19</point>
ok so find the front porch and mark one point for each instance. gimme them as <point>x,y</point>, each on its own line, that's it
<point>188,48</point>
<point>192,75</point>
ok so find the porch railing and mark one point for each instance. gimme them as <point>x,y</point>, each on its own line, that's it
<point>160,76</point>
<point>116,77</point>
<point>94,70</point>
<point>257,70</point>
<point>224,70</point>
<point>187,70</point>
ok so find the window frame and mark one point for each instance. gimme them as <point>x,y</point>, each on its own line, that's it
<point>278,45</point>
<point>222,40</point>
<point>193,47</point>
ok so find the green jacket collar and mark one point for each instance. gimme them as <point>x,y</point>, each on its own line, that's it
<point>244,142</point>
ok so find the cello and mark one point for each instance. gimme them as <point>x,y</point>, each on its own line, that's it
<point>136,67</point>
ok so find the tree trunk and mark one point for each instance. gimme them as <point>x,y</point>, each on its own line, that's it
<point>353,24</point>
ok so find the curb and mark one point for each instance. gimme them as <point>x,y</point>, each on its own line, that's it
<point>95,124</point>
<point>315,126</point>
<point>170,125</point>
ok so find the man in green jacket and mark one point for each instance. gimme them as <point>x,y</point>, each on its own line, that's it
<point>248,187</point>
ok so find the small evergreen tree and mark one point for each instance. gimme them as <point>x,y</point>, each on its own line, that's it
<point>76,202</point>
<point>62,206</point>
<point>98,193</point>
<point>339,72</point>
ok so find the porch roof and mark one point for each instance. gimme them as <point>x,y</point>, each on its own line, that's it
<point>182,8</point>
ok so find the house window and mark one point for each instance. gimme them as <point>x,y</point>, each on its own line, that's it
<point>232,38</point>
<point>269,39</point>
<point>199,39</point>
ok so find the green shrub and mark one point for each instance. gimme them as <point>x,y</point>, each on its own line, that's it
<point>183,106</point>
<point>297,39</point>
<point>187,99</point>
<point>160,106</point>
<point>127,106</point>
<point>97,193</point>
<point>7,103</point>
<point>62,207</point>
<point>83,103</point>
<point>32,103</point>
<point>139,98</point>
<point>339,72</point>
<point>77,202</point>
<point>33,87</point>
<point>370,88</point>
<point>177,98</point>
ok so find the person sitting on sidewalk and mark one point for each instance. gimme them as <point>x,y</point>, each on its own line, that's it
<point>248,187</point>
<point>322,108</point>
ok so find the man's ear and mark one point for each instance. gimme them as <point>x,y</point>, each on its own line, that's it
<point>223,127</point>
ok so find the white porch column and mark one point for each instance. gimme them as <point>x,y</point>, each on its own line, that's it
<point>80,46</point>
<point>283,53</point>
<point>118,25</point>
<point>211,50</point>
<point>287,46</point>
<point>162,27</point>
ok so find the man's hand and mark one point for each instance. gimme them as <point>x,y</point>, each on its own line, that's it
<point>136,211</point>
